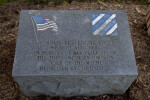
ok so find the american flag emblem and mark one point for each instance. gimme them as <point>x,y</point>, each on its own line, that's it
<point>44,24</point>
<point>104,24</point>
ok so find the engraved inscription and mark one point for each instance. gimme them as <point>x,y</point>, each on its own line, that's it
<point>74,55</point>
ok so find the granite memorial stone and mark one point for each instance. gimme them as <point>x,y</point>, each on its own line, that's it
<point>74,53</point>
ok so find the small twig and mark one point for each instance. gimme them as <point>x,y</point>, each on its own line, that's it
<point>139,11</point>
<point>103,3</point>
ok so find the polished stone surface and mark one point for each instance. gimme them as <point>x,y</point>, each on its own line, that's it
<point>80,53</point>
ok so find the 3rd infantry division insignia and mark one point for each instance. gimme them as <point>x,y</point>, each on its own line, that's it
<point>104,24</point>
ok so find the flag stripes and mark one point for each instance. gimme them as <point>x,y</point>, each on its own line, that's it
<point>104,24</point>
<point>43,24</point>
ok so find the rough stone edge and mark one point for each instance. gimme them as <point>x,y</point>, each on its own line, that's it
<point>107,84</point>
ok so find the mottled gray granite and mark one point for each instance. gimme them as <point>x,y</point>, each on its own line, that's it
<point>72,61</point>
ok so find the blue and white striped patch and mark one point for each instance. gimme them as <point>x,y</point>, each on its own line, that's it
<point>104,24</point>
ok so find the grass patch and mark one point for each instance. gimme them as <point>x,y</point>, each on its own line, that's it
<point>144,1</point>
<point>2,2</point>
<point>42,1</point>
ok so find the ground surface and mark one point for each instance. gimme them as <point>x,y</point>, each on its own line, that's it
<point>9,18</point>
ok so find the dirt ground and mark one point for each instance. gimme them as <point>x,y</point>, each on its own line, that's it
<point>9,19</point>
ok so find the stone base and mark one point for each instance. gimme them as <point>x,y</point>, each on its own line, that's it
<point>90,85</point>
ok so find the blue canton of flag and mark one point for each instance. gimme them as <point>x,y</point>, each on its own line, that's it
<point>43,24</point>
<point>104,24</point>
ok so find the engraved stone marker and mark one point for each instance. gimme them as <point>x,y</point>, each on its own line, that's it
<point>73,53</point>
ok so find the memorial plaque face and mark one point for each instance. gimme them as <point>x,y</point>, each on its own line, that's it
<point>74,43</point>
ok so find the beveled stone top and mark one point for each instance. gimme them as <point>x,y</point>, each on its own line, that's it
<point>74,42</point>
